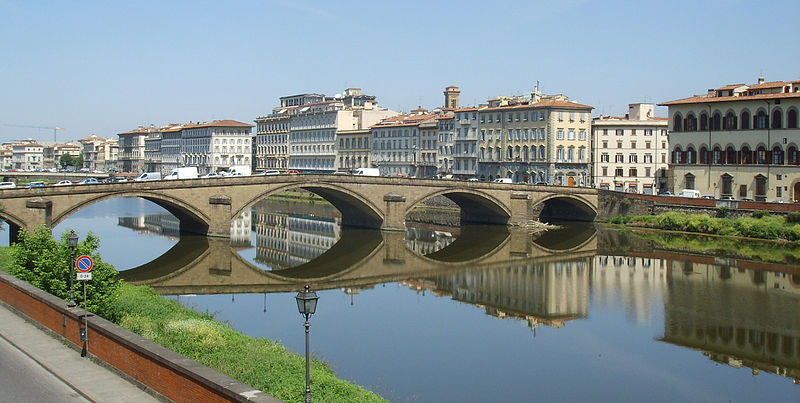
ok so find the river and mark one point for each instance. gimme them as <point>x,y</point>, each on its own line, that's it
<point>478,314</point>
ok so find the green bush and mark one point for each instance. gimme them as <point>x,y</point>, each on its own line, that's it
<point>722,212</point>
<point>793,218</point>
<point>45,263</point>
<point>760,213</point>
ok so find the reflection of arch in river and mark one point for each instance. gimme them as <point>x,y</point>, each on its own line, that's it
<point>566,238</point>
<point>361,257</point>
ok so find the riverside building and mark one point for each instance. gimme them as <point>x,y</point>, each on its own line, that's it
<point>629,153</point>
<point>535,139</point>
<point>739,141</point>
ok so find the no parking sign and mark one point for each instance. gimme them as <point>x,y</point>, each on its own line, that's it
<point>84,266</point>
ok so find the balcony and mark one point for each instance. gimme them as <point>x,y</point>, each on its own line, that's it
<point>464,122</point>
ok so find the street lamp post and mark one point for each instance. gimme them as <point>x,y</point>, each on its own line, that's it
<point>72,240</point>
<point>307,305</point>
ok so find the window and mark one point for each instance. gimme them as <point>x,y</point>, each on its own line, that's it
<point>572,116</point>
<point>648,159</point>
<point>560,116</point>
<point>633,132</point>
<point>582,135</point>
<point>619,172</point>
<point>560,154</point>
<point>604,157</point>
<point>605,132</point>
<point>581,154</point>
<point>620,132</point>
<point>560,134</point>
<point>510,116</point>
<point>632,172</point>
<point>633,158</point>
<point>619,158</point>
<point>647,145</point>
<point>571,135</point>
<point>619,144</point>
<point>605,171</point>
<point>648,132</point>
<point>633,145</point>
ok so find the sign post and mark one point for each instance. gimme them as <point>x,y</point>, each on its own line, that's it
<point>84,265</point>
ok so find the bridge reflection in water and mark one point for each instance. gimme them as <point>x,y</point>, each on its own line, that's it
<point>735,316</point>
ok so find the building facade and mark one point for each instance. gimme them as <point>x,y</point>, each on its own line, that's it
<point>739,141</point>
<point>535,139</point>
<point>272,142</point>
<point>131,149</point>
<point>465,143</point>
<point>629,153</point>
<point>216,146</point>
<point>27,155</point>
<point>396,143</point>
<point>354,149</point>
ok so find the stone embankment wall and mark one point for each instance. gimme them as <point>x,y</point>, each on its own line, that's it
<point>612,204</point>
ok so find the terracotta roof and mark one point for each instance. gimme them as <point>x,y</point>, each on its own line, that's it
<point>698,99</point>
<point>549,103</point>
<point>218,123</point>
<point>730,87</point>
<point>771,84</point>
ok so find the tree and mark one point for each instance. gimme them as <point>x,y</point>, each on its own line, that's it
<point>46,263</point>
<point>65,161</point>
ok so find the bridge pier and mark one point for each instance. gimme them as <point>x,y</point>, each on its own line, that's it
<point>40,212</point>
<point>220,214</point>
<point>394,218</point>
<point>521,208</point>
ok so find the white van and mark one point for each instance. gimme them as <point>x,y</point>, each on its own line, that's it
<point>691,193</point>
<point>149,176</point>
<point>238,170</point>
<point>182,173</point>
<point>367,172</point>
<point>503,180</point>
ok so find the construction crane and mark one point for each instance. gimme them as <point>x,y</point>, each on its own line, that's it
<point>54,129</point>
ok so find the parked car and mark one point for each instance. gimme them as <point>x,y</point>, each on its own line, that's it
<point>7,185</point>
<point>727,198</point>
<point>65,182</point>
<point>114,179</point>
<point>503,180</point>
<point>292,172</point>
<point>35,185</point>
<point>89,181</point>
<point>270,172</point>
<point>211,175</point>
<point>707,197</point>
<point>473,180</point>
<point>665,193</point>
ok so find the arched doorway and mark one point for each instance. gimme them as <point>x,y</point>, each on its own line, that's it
<point>796,195</point>
<point>571,181</point>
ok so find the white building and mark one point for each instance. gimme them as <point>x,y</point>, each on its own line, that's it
<point>629,153</point>
<point>27,155</point>
<point>216,146</point>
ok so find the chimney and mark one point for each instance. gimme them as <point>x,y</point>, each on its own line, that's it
<point>761,80</point>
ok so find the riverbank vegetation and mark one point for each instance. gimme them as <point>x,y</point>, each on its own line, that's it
<point>261,363</point>
<point>760,225</point>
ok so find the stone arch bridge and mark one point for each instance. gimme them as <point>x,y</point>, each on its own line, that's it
<point>207,206</point>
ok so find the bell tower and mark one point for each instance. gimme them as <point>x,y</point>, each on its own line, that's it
<point>451,94</point>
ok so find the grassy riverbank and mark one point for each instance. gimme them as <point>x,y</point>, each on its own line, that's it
<point>761,225</point>
<point>261,363</point>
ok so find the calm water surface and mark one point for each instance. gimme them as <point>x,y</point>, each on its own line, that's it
<point>474,314</point>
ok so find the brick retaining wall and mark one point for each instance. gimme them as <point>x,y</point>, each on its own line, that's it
<point>161,370</point>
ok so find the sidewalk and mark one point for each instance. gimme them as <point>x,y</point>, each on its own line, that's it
<point>89,379</point>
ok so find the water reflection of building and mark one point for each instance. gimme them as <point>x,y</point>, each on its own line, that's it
<point>735,316</point>
<point>163,224</point>
<point>287,240</point>
<point>241,230</point>
<point>539,293</point>
<point>428,240</point>
<point>632,281</point>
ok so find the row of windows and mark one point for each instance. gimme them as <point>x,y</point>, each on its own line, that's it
<point>632,158</point>
<point>743,156</point>
<point>731,121</point>
<point>632,172</point>
<point>634,132</point>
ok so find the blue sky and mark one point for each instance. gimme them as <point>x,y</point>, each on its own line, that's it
<point>105,67</point>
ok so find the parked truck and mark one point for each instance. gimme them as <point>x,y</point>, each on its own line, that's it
<point>238,170</point>
<point>367,172</point>
<point>182,173</point>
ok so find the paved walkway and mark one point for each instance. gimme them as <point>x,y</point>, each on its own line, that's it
<point>38,367</point>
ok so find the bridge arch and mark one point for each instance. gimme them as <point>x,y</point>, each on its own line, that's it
<point>477,207</point>
<point>568,207</point>
<point>191,219</point>
<point>356,210</point>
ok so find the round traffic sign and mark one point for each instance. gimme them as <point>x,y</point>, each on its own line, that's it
<point>84,264</point>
